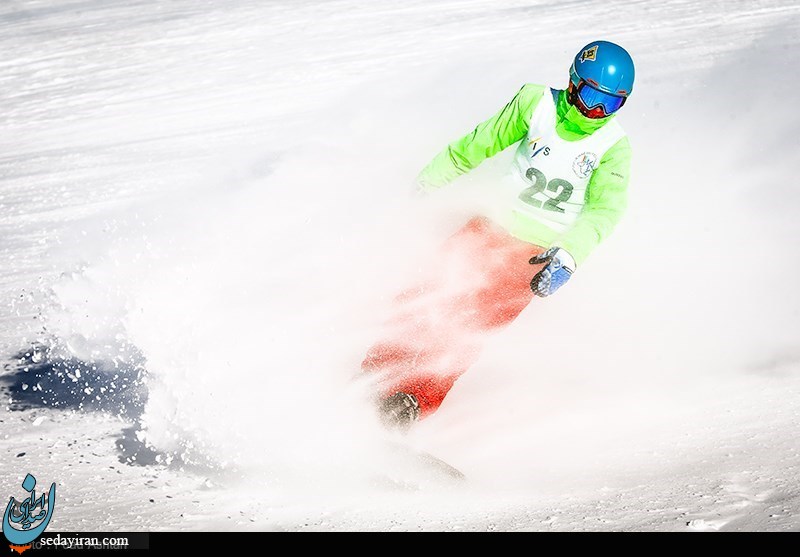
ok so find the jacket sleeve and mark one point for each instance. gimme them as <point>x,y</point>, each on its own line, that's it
<point>503,129</point>
<point>606,202</point>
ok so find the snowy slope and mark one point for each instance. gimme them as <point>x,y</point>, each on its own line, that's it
<point>204,211</point>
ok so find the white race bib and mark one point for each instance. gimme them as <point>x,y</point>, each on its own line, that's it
<point>549,175</point>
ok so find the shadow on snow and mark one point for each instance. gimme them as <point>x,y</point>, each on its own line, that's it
<point>41,378</point>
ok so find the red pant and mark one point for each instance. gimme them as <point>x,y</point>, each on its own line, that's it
<point>481,283</point>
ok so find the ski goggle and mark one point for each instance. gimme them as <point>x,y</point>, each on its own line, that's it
<point>593,103</point>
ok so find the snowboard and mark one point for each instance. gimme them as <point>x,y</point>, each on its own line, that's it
<point>413,467</point>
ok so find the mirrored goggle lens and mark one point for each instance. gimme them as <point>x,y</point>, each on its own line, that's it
<point>593,98</point>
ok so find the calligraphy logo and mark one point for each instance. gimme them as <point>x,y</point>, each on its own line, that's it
<point>532,143</point>
<point>589,54</point>
<point>26,520</point>
<point>584,164</point>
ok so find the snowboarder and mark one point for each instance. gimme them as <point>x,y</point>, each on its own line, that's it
<point>565,192</point>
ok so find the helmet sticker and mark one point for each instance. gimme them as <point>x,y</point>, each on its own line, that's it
<point>589,54</point>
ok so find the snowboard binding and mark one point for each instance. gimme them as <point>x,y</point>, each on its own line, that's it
<point>399,411</point>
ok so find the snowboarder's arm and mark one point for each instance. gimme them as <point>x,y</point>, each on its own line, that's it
<point>606,201</point>
<point>489,138</point>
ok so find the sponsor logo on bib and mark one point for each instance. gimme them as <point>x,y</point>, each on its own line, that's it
<point>533,143</point>
<point>584,164</point>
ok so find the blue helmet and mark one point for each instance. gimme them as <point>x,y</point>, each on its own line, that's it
<point>601,78</point>
<point>605,66</point>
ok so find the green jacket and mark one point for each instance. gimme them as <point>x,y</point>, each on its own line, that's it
<point>606,197</point>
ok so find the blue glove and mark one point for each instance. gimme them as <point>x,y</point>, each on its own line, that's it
<point>558,267</point>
